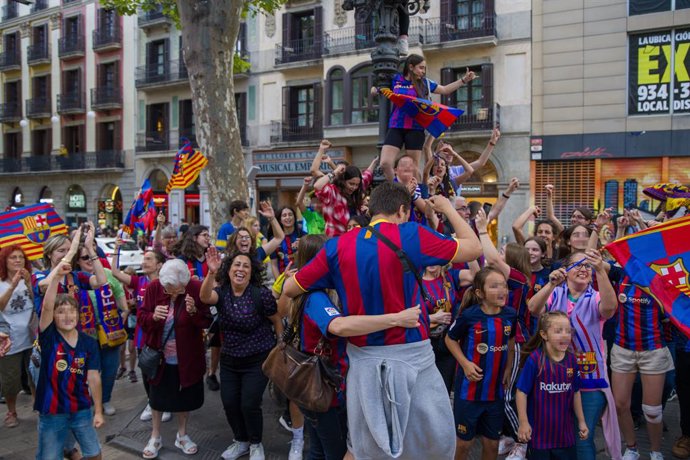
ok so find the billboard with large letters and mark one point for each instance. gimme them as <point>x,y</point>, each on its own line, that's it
<point>658,66</point>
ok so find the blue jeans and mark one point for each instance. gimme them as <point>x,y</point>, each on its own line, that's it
<point>593,404</point>
<point>110,362</point>
<point>53,429</point>
<point>327,433</point>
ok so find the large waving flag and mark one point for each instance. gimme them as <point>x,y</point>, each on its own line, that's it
<point>435,118</point>
<point>30,227</point>
<point>188,166</point>
<point>142,213</point>
<point>657,260</point>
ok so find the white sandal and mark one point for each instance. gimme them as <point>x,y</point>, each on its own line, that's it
<point>153,446</point>
<point>187,446</point>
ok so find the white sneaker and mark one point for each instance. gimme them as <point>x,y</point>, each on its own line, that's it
<point>146,415</point>
<point>166,417</point>
<point>403,46</point>
<point>632,454</point>
<point>256,452</point>
<point>656,456</point>
<point>518,452</point>
<point>505,445</point>
<point>296,448</point>
<point>235,450</point>
<point>108,409</point>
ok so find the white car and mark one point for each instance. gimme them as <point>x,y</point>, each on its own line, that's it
<point>130,254</point>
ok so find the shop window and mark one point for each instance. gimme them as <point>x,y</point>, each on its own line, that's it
<point>575,181</point>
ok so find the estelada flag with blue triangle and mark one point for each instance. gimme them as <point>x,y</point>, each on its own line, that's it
<point>657,260</point>
<point>188,166</point>
<point>142,213</point>
<point>30,227</point>
<point>435,118</point>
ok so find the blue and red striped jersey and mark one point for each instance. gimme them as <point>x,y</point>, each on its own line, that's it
<point>285,254</point>
<point>639,325</point>
<point>484,341</point>
<point>198,268</point>
<point>369,277</point>
<point>550,387</point>
<point>400,85</point>
<point>437,291</point>
<point>63,387</point>
<point>517,300</point>
<point>319,311</point>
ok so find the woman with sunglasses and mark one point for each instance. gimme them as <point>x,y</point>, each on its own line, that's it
<point>570,290</point>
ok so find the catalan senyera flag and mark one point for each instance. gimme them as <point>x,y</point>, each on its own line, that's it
<point>657,260</point>
<point>142,213</point>
<point>30,227</point>
<point>188,166</point>
<point>435,118</point>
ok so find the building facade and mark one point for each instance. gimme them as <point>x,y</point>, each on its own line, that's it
<point>67,109</point>
<point>611,97</point>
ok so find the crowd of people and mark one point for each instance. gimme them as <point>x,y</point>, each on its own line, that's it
<point>441,336</point>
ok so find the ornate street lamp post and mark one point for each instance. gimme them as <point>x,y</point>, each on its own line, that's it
<point>383,16</point>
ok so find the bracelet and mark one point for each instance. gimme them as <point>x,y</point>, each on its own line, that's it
<point>64,259</point>
<point>493,144</point>
<point>483,233</point>
<point>505,196</point>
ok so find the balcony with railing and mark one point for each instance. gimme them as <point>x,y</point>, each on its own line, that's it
<point>106,98</point>
<point>38,107</point>
<point>299,50</point>
<point>153,141</point>
<point>352,39</point>
<point>483,119</point>
<point>71,103</point>
<point>38,54</point>
<point>10,60</point>
<point>148,19</point>
<point>165,73</point>
<point>469,27</point>
<point>9,11</point>
<point>295,129</point>
<point>71,46</point>
<point>10,112</point>
<point>39,5</point>
<point>102,159</point>
<point>107,38</point>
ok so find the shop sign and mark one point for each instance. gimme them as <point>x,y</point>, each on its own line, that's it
<point>291,162</point>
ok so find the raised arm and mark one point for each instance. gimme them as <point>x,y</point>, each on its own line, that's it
<point>266,210</point>
<point>14,282</point>
<point>484,157</point>
<point>48,307</point>
<point>550,214</point>
<point>469,246</point>
<point>490,253</point>
<point>538,301</point>
<point>99,277</point>
<point>521,220</point>
<point>299,201</point>
<point>503,199</point>
<point>316,164</point>
<point>467,168</point>
<point>608,300</point>
<point>160,223</point>
<point>74,247</point>
<point>121,276</point>
<point>328,178</point>
<point>206,294</point>
<point>450,88</point>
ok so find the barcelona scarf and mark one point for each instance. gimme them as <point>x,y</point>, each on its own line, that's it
<point>435,118</point>
<point>142,213</point>
<point>188,166</point>
<point>656,260</point>
<point>87,317</point>
<point>30,227</point>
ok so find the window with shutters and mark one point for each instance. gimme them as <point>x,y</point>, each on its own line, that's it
<point>336,97</point>
<point>474,98</point>
<point>241,108</point>
<point>187,125</point>
<point>365,107</point>
<point>302,36</point>
<point>71,82</point>
<point>157,60</point>
<point>157,129</point>
<point>575,184</point>
<point>302,112</point>
<point>463,19</point>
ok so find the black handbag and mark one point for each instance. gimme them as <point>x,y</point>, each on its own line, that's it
<point>150,359</point>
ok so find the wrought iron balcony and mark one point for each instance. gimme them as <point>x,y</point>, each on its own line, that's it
<point>153,141</point>
<point>38,107</point>
<point>10,112</point>
<point>351,39</point>
<point>455,27</point>
<point>71,46</point>
<point>38,54</point>
<point>165,73</point>
<point>39,5</point>
<point>295,129</point>
<point>148,19</point>
<point>106,98</point>
<point>299,50</point>
<point>10,60</point>
<point>71,103</point>
<point>107,38</point>
<point>484,119</point>
<point>102,159</point>
<point>9,11</point>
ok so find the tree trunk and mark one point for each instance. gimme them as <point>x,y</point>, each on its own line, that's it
<point>209,33</point>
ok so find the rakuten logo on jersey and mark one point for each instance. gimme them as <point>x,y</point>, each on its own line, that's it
<point>555,387</point>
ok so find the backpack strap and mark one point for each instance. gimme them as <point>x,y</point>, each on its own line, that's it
<point>256,297</point>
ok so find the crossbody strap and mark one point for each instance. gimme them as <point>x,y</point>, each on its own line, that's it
<point>407,264</point>
<point>172,327</point>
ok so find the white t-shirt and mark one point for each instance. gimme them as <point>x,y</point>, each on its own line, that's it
<point>17,314</point>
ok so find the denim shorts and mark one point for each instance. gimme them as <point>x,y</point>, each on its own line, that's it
<point>52,430</point>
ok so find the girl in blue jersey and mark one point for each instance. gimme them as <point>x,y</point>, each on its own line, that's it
<point>549,390</point>
<point>192,250</point>
<point>482,339</point>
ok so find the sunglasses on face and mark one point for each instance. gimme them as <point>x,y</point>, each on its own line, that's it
<point>84,258</point>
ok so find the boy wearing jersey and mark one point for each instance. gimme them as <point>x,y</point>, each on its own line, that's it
<point>70,378</point>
